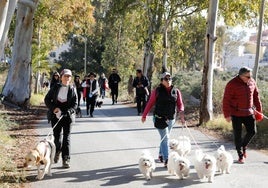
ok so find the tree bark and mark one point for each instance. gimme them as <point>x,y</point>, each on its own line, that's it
<point>17,89</point>
<point>206,105</point>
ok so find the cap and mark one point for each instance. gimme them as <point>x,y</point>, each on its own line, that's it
<point>165,74</point>
<point>66,72</point>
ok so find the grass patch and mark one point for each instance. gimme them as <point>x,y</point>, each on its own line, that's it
<point>37,99</point>
<point>10,176</point>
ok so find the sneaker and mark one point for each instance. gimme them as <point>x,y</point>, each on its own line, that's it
<point>57,157</point>
<point>91,115</point>
<point>244,152</point>
<point>165,164</point>
<point>66,163</point>
<point>241,160</point>
<point>160,158</point>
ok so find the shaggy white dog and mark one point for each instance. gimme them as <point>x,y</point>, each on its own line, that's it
<point>147,165</point>
<point>205,165</point>
<point>182,167</point>
<point>182,145</point>
<point>224,160</point>
<point>172,157</point>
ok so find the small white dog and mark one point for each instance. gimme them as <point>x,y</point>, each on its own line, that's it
<point>205,165</point>
<point>182,145</point>
<point>224,160</point>
<point>182,167</point>
<point>172,157</point>
<point>147,164</point>
<point>42,154</point>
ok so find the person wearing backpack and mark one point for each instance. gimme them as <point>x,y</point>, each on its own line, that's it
<point>141,83</point>
<point>167,101</point>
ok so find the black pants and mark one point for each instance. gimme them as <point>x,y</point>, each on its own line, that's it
<point>63,144</point>
<point>91,101</point>
<point>141,102</point>
<point>78,97</point>
<point>251,129</point>
<point>114,92</point>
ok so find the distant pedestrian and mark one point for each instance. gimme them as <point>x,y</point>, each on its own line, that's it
<point>130,87</point>
<point>84,89</point>
<point>92,88</point>
<point>61,100</point>
<point>241,98</point>
<point>103,83</point>
<point>113,81</point>
<point>167,101</point>
<point>78,86</point>
<point>55,79</point>
<point>141,83</point>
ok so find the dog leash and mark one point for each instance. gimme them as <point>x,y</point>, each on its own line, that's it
<point>169,131</point>
<point>55,126</point>
<point>264,116</point>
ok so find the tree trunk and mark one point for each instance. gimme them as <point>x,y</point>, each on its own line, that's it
<point>257,58</point>
<point>3,36</point>
<point>3,16</point>
<point>17,89</point>
<point>164,66</point>
<point>206,106</point>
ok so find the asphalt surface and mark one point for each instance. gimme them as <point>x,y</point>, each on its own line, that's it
<point>105,151</point>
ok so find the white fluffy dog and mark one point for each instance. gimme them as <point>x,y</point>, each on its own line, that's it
<point>182,167</point>
<point>42,154</point>
<point>182,145</point>
<point>224,160</point>
<point>205,165</point>
<point>147,165</point>
<point>172,157</point>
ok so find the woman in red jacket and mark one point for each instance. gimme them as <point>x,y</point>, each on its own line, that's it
<point>240,100</point>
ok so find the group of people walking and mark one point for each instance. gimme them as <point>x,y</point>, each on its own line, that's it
<point>241,106</point>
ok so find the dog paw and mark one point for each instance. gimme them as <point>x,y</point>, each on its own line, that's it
<point>39,177</point>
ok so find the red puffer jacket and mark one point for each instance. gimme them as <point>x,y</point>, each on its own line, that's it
<point>239,98</point>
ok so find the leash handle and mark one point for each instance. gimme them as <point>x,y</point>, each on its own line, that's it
<point>260,113</point>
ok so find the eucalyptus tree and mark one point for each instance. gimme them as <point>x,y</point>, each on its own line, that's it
<point>56,19</point>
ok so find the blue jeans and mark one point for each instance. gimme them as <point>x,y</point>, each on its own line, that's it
<point>163,150</point>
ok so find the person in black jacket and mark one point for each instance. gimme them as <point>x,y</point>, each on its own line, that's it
<point>92,88</point>
<point>61,100</point>
<point>113,82</point>
<point>55,79</point>
<point>141,83</point>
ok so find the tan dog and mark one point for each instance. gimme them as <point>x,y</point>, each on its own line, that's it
<point>42,154</point>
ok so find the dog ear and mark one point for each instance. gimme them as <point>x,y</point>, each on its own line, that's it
<point>38,158</point>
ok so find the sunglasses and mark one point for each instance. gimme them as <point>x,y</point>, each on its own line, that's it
<point>168,79</point>
<point>248,77</point>
<point>67,76</point>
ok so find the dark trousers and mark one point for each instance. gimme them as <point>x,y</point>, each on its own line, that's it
<point>141,102</point>
<point>78,97</point>
<point>63,144</point>
<point>251,129</point>
<point>114,92</point>
<point>91,101</point>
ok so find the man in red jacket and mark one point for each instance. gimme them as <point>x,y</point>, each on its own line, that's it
<point>242,105</point>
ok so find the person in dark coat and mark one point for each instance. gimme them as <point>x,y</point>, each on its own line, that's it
<point>92,88</point>
<point>141,83</point>
<point>113,82</point>
<point>241,105</point>
<point>61,100</point>
<point>55,79</point>
<point>78,86</point>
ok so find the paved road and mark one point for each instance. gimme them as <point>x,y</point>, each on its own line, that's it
<point>106,148</point>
